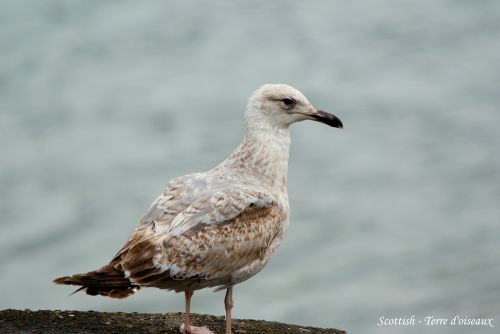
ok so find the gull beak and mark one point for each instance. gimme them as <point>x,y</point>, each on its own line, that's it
<point>327,118</point>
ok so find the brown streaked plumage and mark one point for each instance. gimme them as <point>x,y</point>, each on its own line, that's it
<point>217,228</point>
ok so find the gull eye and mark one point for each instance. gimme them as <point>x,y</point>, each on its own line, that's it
<point>288,101</point>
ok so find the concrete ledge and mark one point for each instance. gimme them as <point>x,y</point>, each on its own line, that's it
<point>16,321</point>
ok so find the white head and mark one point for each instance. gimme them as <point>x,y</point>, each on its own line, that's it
<point>280,105</point>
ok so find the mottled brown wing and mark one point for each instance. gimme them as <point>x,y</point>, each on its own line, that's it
<point>209,240</point>
<point>217,250</point>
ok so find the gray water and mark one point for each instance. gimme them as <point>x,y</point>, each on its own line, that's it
<point>103,102</point>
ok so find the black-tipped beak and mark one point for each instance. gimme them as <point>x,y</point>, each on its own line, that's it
<point>327,118</point>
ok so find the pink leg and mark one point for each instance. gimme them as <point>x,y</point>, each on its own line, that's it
<point>187,296</point>
<point>186,328</point>
<point>228,303</point>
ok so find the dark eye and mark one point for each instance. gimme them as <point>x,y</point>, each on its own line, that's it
<point>287,101</point>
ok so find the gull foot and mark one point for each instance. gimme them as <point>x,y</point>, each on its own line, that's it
<point>196,330</point>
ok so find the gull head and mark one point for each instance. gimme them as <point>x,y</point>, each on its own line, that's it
<point>280,105</point>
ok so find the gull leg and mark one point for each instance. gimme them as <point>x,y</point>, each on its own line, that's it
<point>187,296</point>
<point>228,303</point>
<point>186,328</point>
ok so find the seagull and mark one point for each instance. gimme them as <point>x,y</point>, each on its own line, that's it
<point>217,228</point>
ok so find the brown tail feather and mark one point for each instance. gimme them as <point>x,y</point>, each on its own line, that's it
<point>107,281</point>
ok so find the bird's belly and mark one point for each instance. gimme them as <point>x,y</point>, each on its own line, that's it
<point>220,282</point>
<point>245,273</point>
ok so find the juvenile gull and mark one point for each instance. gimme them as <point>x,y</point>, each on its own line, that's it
<point>220,227</point>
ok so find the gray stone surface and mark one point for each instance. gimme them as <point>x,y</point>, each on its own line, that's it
<point>17,321</point>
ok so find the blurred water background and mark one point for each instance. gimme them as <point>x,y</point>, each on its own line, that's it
<point>103,102</point>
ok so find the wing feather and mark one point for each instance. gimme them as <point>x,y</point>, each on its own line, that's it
<point>216,235</point>
<point>178,195</point>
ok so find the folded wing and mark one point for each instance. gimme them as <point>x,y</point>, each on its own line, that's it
<point>217,235</point>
